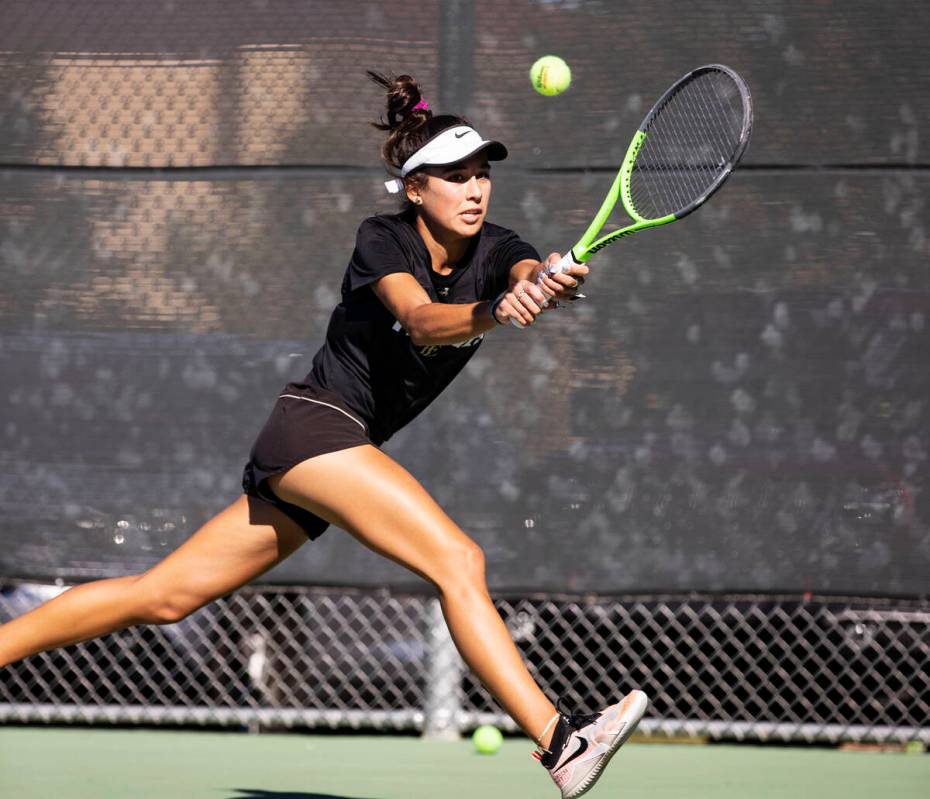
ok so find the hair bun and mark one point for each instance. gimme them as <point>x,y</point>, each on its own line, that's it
<point>403,101</point>
<point>408,120</point>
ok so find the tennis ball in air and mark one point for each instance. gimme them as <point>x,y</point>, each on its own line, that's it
<point>487,739</point>
<point>550,75</point>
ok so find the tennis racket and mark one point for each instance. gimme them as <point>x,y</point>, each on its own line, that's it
<point>684,151</point>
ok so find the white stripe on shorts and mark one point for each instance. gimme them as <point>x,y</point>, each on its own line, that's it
<point>328,405</point>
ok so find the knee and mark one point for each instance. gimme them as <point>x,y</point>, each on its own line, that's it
<point>167,611</point>
<point>464,567</point>
<point>164,605</point>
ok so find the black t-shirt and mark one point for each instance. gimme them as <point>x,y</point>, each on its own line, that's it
<point>368,358</point>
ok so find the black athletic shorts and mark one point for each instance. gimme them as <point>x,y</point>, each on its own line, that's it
<point>305,422</point>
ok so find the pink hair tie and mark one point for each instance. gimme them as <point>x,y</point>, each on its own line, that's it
<point>421,105</point>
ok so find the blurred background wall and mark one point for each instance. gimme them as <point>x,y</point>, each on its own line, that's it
<point>740,405</point>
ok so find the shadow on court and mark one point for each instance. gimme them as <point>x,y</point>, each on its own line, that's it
<point>258,793</point>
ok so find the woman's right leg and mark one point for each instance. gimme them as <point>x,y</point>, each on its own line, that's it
<point>234,547</point>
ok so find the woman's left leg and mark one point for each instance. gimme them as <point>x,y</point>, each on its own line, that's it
<point>368,494</point>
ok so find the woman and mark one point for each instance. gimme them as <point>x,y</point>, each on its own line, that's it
<point>421,290</point>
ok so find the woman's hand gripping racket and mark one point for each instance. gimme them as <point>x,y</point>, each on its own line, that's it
<point>684,150</point>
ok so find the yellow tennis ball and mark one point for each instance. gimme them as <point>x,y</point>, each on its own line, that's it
<point>487,739</point>
<point>550,75</point>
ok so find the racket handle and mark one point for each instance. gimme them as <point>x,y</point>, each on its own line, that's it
<point>567,262</point>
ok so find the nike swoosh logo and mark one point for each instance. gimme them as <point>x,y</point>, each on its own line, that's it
<point>582,748</point>
<point>617,731</point>
<point>459,135</point>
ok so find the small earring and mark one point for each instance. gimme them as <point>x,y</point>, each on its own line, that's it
<point>417,201</point>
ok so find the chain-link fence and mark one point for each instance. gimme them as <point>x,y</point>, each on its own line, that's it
<point>745,667</point>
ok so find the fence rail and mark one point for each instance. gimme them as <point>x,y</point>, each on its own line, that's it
<point>733,667</point>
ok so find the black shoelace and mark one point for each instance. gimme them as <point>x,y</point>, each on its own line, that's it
<point>567,723</point>
<point>575,720</point>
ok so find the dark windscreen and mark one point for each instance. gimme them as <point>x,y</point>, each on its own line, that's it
<point>741,403</point>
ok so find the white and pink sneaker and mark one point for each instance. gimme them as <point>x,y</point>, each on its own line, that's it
<point>582,745</point>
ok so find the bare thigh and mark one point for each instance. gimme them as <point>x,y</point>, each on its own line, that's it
<point>370,495</point>
<point>367,493</point>
<point>237,545</point>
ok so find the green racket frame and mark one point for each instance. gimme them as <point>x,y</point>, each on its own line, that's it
<point>620,189</point>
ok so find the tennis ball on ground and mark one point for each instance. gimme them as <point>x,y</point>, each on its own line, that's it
<point>487,739</point>
<point>550,75</point>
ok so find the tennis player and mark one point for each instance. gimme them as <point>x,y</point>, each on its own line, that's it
<point>422,289</point>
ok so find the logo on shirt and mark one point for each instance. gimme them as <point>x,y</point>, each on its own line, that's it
<point>430,350</point>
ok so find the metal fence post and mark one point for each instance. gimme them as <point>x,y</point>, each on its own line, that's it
<point>444,668</point>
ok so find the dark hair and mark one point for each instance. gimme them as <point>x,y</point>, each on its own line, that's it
<point>409,129</point>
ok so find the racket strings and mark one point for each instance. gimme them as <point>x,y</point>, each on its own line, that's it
<point>681,149</point>
<point>675,157</point>
<point>685,149</point>
<point>689,145</point>
<point>665,159</point>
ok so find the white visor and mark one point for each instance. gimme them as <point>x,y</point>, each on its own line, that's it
<point>448,147</point>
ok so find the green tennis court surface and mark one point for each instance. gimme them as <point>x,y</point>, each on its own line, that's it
<point>118,764</point>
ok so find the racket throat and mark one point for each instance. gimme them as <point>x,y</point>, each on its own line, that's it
<point>619,191</point>
<point>610,238</point>
<point>625,176</point>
